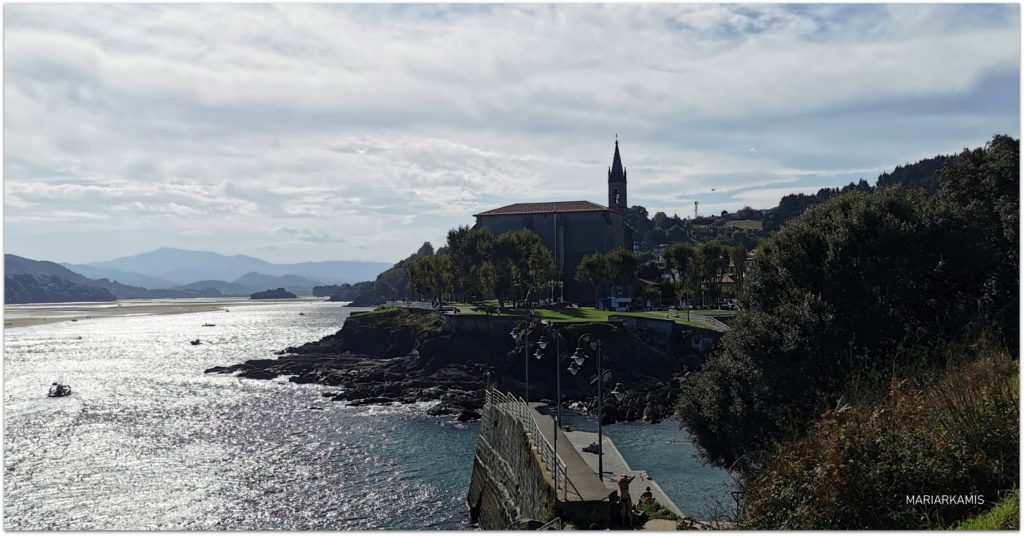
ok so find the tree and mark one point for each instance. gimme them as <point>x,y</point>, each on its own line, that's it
<point>858,282</point>
<point>470,251</point>
<point>680,259</point>
<point>529,263</point>
<point>622,267</point>
<point>711,264</point>
<point>660,220</point>
<point>738,256</point>
<point>593,269</point>
<point>676,233</point>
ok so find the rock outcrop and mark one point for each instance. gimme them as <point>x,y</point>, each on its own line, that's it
<point>409,356</point>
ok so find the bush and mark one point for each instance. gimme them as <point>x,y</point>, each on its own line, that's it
<point>859,464</point>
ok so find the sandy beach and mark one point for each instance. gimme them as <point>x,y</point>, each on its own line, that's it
<point>23,315</point>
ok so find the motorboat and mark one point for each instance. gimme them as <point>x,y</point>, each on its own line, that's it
<point>196,342</point>
<point>59,389</point>
<point>208,325</point>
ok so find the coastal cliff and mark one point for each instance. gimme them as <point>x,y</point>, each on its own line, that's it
<point>405,355</point>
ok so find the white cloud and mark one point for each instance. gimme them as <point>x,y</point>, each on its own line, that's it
<point>386,125</point>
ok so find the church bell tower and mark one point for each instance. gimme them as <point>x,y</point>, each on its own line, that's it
<point>617,182</point>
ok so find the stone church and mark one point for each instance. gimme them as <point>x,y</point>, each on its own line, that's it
<point>572,229</point>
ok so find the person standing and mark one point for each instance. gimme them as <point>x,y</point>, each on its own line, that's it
<point>625,502</point>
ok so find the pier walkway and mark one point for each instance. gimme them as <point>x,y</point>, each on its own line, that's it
<point>614,465</point>
<point>583,482</point>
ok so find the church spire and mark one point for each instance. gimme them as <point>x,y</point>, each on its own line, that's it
<point>616,174</point>
<point>617,182</point>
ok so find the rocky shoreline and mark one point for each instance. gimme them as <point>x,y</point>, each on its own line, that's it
<point>409,356</point>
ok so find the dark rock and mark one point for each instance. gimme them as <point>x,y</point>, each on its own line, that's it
<point>469,415</point>
<point>404,356</point>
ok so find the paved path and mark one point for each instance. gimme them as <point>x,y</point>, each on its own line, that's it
<point>585,484</point>
<point>615,465</point>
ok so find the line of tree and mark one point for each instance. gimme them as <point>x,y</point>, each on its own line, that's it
<point>475,266</point>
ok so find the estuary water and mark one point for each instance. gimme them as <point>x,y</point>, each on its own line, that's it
<point>148,441</point>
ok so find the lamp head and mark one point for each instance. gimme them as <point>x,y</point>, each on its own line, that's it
<point>618,392</point>
<point>579,356</point>
<point>543,343</point>
<point>573,369</point>
<point>538,354</point>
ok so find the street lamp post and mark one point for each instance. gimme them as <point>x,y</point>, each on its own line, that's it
<point>526,348</point>
<point>558,396</point>
<point>578,357</point>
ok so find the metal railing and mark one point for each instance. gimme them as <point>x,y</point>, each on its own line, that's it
<point>711,321</point>
<point>556,523</point>
<point>518,409</point>
<point>406,304</point>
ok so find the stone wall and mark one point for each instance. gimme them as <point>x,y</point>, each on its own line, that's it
<point>508,485</point>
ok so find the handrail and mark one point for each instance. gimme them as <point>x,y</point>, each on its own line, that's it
<point>518,409</point>
<point>711,321</point>
<point>551,523</point>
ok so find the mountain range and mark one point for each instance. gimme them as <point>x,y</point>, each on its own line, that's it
<point>168,267</point>
<point>31,281</point>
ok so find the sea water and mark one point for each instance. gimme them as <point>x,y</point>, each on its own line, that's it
<point>148,441</point>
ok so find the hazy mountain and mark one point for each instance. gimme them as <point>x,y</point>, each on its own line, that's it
<point>127,278</point>
<point>288,282</point>
<point>185,265</point>
<point>30,281</point>
<point>14,264</point>
<point>64,288</point>
<point>225,288</point>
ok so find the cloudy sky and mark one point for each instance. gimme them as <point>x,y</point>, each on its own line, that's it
<point>317,132</point>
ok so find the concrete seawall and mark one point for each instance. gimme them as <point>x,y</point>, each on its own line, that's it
<point>514,471</point>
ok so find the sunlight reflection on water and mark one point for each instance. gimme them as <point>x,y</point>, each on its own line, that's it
<point>147,441</point>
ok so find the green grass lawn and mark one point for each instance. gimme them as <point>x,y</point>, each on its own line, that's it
<point>746,225</point>
<point>589,314</point>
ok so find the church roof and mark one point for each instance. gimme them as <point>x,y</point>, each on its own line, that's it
<point>541,208</point>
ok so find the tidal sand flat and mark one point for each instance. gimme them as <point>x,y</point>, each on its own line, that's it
<point>16,316</point>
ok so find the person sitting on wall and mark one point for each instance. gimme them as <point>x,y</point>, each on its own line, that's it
<point>647,497</point>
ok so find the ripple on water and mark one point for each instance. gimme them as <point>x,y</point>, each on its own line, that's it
<point>148,441</point>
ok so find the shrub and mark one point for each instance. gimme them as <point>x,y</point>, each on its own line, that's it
<point>859,464</point>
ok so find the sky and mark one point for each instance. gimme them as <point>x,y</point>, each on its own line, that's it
<point>330,132</point>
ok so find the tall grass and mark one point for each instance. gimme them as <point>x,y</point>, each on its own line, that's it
<point>954,435</point>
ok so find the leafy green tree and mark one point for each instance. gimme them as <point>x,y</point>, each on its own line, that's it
<point>681,260</point>
<point>622,267</point>
<point>853,273</point>
<point>980,192</point>
<point>712,262</point>
<point>470,251</point>
<point>593,269</point>
<point>676,233</point>
<point>738,256</point>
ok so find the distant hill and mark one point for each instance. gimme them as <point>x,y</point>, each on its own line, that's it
<point>14,265</point>
<point>185,265</point>
<point>28,288</point>
<point>277,294</point>
<point>225,288</point>
<point>292,283</point>
<point>128,278</point>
